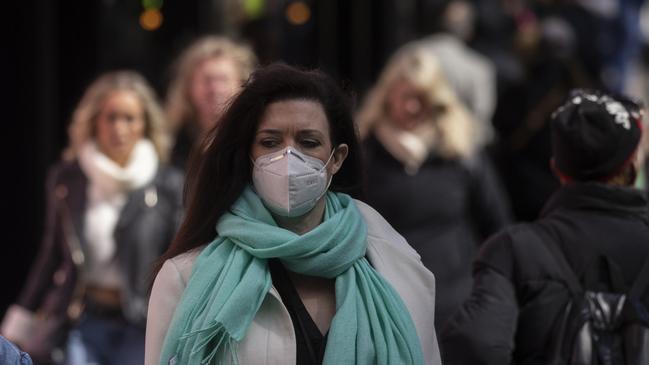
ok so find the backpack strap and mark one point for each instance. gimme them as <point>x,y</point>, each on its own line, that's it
<point>558,351</point>
<point>552,245</point>
<point>640,284</point>
<point>638,289</point>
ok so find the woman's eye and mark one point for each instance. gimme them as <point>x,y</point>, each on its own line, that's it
<point>268,143</point>
<point>310,143</point>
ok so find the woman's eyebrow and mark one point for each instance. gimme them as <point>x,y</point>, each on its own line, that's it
<point>310,132</point>
<point>269,131</point>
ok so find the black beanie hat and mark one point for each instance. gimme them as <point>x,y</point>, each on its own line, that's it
<point>594,134</point>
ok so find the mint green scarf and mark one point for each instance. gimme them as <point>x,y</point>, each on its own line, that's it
<point>230,279</point>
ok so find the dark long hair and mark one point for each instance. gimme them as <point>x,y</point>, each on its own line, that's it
<point>221,168</point>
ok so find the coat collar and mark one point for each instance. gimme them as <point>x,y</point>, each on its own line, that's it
<point>595,196</point>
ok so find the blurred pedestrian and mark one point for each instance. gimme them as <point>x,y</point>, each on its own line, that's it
<point>427,174</point>
<point>471,75</point>
<point>208,73</point>
<point>523,274</point>
<point>113,207</point>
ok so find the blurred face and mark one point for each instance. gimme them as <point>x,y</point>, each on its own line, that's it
<point>120,125</point>
<point>407,106</point>
<point>301,124</point>
<point>214,81</point>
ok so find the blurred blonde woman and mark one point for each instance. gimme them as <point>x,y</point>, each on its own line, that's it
<point>427,173</point>
<point>208,73</point>
<point>113,206</point>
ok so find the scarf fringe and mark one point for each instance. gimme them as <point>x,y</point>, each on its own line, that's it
<point>220,340</point>
<point>229,347</point>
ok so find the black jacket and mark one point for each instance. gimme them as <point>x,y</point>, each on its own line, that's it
<point>145,228</point>
<point>444,212</point>
<point>518,288</point>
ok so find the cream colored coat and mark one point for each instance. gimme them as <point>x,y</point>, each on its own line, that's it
<point>271,338</point>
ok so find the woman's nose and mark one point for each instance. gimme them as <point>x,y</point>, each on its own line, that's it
<point>121,126</point>
<point>294,145</point>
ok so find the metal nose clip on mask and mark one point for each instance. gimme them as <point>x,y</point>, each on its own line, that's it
<point>290,182</point>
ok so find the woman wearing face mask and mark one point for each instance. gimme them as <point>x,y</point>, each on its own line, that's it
<point>427,174</point>
<point>113,209</point>
<point>274,263</point>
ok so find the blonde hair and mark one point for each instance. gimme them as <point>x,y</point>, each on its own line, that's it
<point>82,128</point>
<point>457,136</point>
<point>179,106</point>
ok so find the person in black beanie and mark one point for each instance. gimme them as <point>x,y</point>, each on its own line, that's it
<point>596,137</point>
<point>518,293</point>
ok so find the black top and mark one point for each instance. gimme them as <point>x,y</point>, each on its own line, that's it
<point>181,151</point>
<point>519,292</point>
<point>444,212</point>
<point>310,343</point>
<point>611,221</point>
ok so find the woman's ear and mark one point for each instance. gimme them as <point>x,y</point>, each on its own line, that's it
<point>339,156</point>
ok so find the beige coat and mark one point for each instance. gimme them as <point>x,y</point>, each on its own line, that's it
<point>270,338</point>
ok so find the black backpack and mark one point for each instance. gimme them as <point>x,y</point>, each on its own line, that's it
<point>604,322</point>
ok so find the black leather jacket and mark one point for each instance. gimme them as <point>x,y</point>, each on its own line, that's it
<point>145,228</point>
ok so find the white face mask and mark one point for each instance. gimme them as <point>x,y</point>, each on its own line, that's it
<point>289,182</point>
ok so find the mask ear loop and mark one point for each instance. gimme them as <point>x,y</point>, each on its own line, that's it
<point>329,159</point>
<point>330,177</point>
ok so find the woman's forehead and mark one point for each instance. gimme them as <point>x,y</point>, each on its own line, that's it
<point>404,85</point>
<point>295,114</point>
<point>124,98</point>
